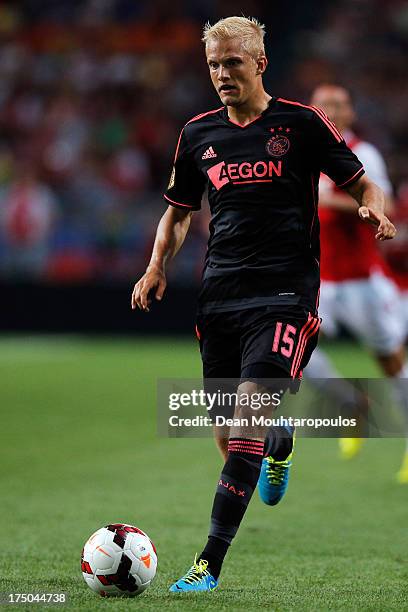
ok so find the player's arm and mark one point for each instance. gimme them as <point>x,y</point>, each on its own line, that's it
<point>340,164</point>
<point>345,203</point>
<point>184,192</point>
<point>371,201</point>
<point>376,169</point>
<point>170,235</point>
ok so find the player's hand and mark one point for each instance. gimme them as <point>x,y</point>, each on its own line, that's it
<point>153,278</point>
<point>385,229</point>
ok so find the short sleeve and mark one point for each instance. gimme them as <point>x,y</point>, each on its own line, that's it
<point>374,166</point>
<point>187,183</point>
<point>335,158</point>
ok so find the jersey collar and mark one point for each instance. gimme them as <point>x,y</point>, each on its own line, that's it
<point>233,124</point>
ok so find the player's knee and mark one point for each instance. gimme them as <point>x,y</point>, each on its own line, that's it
<point>254,397</point>
<point>255,404</point>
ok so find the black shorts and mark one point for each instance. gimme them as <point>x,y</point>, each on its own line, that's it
<point>265,342</point>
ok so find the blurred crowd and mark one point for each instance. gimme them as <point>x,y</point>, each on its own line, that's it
<point>93,94</point>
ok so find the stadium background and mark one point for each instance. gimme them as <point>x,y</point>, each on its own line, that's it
<point>93,94</point>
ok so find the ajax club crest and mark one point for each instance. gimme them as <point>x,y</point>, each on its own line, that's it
<point>278,144</point>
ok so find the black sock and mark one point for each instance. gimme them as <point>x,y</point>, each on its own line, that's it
<point>214,552</point>
<point>235,487</point>
<point>279,442</point>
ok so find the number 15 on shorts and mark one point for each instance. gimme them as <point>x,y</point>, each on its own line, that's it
<point>287,337</point>
<point>284,342</point>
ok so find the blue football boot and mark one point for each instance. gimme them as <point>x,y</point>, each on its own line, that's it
<point>274,478</point>
<point>198,578</point>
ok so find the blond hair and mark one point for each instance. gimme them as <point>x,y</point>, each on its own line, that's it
<point>248,29</point>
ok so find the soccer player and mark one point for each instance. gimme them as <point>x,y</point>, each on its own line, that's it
<point>260,157</point>
<point>397,254</point>
<point>356,289</point>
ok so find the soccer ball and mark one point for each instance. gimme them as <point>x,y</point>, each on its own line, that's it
<point>119,560</point>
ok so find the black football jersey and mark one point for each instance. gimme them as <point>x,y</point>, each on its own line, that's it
<point>262,182</point>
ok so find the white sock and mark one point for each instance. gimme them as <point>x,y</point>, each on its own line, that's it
<point>319,373</point>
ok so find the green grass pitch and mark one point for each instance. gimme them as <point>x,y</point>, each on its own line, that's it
<point>79,450</point>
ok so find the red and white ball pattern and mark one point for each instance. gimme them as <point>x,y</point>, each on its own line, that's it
<point>119,560</point>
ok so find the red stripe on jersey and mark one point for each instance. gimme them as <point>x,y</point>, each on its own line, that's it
<point>351,178</point>
<point>321,116</point>
<point>215,110</point>
<point>255,181</point>
<point>178,203</point>
<point>328,121</point>
<point>178,146</point>
<point>191,120</point>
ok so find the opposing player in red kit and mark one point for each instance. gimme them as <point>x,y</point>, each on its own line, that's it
<point>260,157</point>
<point>357,289</point>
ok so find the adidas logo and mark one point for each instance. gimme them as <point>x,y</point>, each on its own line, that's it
<point>209,153</point>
